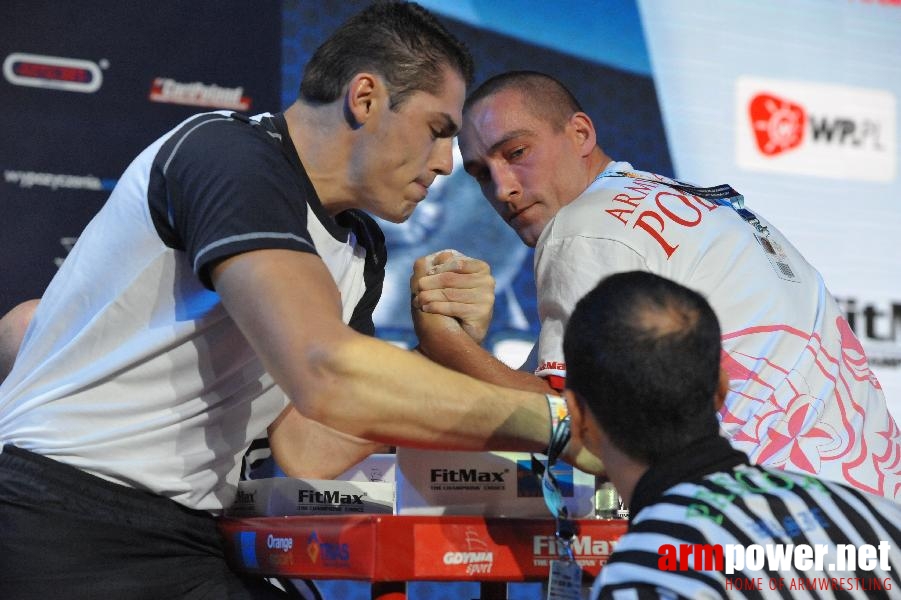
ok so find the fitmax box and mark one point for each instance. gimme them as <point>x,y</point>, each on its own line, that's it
<point>280,496</point>
<point>367,487</point>
<point>496,484</point>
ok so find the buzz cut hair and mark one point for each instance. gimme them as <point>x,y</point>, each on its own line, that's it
<point>544,96</point>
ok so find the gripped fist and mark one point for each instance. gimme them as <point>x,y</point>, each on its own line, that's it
<point>454,285</point>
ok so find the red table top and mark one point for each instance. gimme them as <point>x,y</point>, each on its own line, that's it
<point>410,548</point>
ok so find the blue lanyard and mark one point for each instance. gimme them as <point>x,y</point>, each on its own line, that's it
<point>550,489</point>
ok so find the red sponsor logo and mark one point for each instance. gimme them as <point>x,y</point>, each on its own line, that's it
<point>478,557</point>
<point>778,124</point>
<point>54,72</point>
<point>58,72</point>
<point>164,89</point>
<point>552,365</point>
<point>331,553</point>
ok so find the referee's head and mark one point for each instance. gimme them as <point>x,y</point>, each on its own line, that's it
<point>643,363</point>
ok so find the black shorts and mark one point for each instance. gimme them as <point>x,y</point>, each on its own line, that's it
<point>66,534</point>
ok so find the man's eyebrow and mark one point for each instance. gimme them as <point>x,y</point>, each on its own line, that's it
<point>510,135</point>
<point>448,128</point>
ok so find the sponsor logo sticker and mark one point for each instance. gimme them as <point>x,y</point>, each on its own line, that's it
<point>170,91</point>
<point>332,554</point>
<point>280,550</point>
<point>53,72</point>
<point>467,479</point>
<point>477,559</point>
<point>329,501</point>
<point>816,129</point>
<point>589,551</point>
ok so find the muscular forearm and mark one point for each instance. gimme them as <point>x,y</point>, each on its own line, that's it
<point>446,343</point>
<point>450,291</point>
<point>397,397</point>
<point>289,310</point>
<point>381,393</point>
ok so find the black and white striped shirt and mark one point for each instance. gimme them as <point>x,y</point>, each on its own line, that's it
<point>710,497</point>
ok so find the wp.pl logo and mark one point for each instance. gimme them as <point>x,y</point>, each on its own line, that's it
<point>807,128</point>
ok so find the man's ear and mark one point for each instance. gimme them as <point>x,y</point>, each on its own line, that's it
<point>576,416</point>
<point>361,97</point>
<point>722,389</point>
<point>583,133</point>
<point>585,429</point>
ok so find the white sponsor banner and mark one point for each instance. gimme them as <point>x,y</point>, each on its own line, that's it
<point>815,128</point>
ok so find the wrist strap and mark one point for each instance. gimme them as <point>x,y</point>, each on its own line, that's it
<point>559,414</point>
<point>559,437</point>
<point>558,442</point>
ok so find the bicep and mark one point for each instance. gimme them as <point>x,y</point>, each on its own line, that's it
<point>286,305</point>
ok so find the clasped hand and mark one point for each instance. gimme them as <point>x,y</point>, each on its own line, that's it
<point>454,285</point>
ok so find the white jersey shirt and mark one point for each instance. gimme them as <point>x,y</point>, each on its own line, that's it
<point>802,396</point>
<point>132,370</point>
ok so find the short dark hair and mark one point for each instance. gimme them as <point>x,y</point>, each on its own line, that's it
<point>545,97</point>
<point>400,41</point>
<point>643,353</point>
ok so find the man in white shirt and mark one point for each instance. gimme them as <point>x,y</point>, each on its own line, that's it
<point>801,394</point>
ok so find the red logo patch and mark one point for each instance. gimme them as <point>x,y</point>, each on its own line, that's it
<point>778,124</point>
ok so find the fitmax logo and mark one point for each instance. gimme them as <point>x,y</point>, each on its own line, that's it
<point>466,476</point>
<point>582,545</point>
<point>328,497</point>
<point>245,497</point>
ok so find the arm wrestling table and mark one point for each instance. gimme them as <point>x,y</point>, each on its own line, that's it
<point>390,550</point>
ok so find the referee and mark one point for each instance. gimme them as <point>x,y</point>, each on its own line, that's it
<point>644,379</point>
